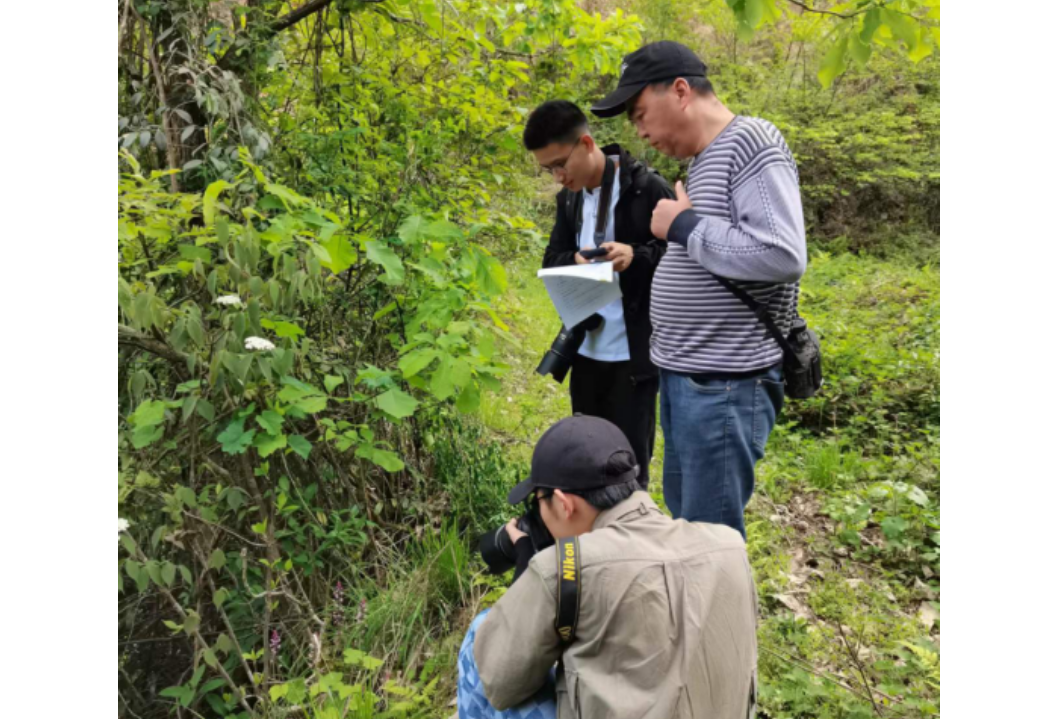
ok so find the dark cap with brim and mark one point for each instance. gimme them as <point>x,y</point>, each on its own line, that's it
<point>651,63</point>
<point>578,454</point>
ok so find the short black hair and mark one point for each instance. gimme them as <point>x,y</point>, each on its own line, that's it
<point>602,497</point>
<point>554,121</point>
<point>607,497</point>
<point>700,85</point>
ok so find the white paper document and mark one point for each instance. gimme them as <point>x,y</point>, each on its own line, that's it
<point>579,291</point>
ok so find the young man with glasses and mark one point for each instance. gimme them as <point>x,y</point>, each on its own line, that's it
<point>612,376</point>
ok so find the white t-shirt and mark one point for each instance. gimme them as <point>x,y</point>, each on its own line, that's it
<point>609,343</point>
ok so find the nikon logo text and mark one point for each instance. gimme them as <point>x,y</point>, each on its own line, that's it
<point>569,564</point>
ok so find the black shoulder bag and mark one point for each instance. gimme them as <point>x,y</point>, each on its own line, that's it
<point>801,357</point>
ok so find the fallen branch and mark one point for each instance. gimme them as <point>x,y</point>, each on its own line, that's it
<point>129,336</point>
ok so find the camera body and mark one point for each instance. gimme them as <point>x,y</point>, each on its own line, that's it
<point>497,549</point>
<point>559,359</point>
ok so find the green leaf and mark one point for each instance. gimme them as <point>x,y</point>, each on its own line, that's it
<point>894,527</point>
<point>311,405</point>
<point>370,663</point>
<point>224,645</point>
<point>385,459</point>
<point>128,543</point>
<point>237,364</point>
<point>220,596</point>
<point>753,11</point>
<point>416,361</point>
<point>469,398</point>
<point>278,691</point>
<point>186,495</point>
<point>168,573</point>
<point>235,498</point>
<point>859,51</point>
<point>209,200</point>
<point>382,255</point>
<point>491,277</point>
<point>154,571</point>
<point>871,20</point>
<point>443,230</point>
<point>210,658</point>
<point>833,63</point>
<point>283,329</point>
<point>331,381</point>
<point>266,444</point>
<point>146,435</point>
<point>192,252</point>
<point>441,385</point>
<point>217,559</point>
<point>904,27</point>
<point>342,254</point>
<point>411,230</point>
<point>148,414</point>
<point>205,409</point>
<point>922,50</point>
<point>192,622</point>
<point>233,439</point>
<point>352,657</point>
<point>286,195</point>
<point>384,311</point>
<point>397,403</point>
<point>300,445</point>
<point>271,421</point>
<point>460,373</point>
<point>133,569</point>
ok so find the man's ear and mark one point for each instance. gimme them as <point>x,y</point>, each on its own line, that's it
<point>567,504</point>
<point>589,141</point>
<point>684,93</point>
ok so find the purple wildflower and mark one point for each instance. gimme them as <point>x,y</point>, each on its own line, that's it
<point>275,643</point>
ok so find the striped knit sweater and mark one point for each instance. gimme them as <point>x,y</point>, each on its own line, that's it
<point>746,224</point>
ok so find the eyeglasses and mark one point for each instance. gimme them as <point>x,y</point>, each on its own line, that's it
<point>560,166</point>
<point>544,494</point>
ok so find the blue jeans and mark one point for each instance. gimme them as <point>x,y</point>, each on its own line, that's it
<point>470,695</point>
<point>715,429</point>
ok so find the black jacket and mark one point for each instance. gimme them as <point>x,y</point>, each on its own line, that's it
<point>640,190</point>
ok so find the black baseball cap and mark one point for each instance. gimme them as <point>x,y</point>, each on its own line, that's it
<point>576,454</point>
<point>651,63</point>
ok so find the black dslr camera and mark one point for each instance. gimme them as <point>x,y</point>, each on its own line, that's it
<point>559,358</point>
<point>497,549</point>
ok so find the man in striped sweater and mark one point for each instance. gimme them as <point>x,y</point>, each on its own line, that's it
<point>740,217</point>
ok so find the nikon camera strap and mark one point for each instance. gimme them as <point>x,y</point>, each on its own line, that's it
<point>568,555</point>
<point>602,211</point>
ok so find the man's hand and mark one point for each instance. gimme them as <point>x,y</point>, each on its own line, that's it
<point>620,254</point>
<point>667,210</point>
<point>579,259</point>
<point>513,532</point>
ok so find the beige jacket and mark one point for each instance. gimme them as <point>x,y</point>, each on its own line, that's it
<point>667,623</point>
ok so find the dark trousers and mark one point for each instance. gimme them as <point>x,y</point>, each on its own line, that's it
<point>607,390</point>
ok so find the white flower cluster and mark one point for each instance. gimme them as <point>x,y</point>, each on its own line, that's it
<point>123,525</point>
<point>229,300</point>
<point>259,343</point>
